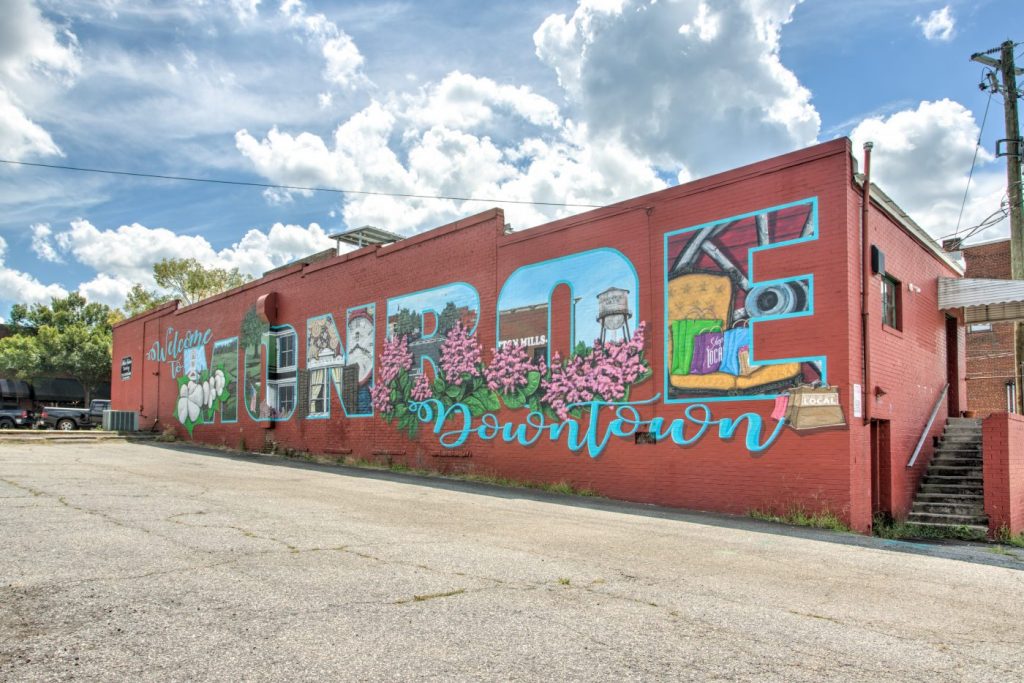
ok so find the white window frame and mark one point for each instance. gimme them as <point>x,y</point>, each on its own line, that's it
<point>293,343</point>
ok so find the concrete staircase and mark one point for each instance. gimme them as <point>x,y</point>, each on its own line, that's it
<point>951,493</point>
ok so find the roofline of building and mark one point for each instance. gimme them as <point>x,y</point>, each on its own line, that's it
<point>840,145</point>
<point>893,210</point>
<point>965,247</point>
<point>678,192</point>
<point>153,312</point>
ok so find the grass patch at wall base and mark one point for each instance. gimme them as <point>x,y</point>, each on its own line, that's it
<point>800,516</point>
<point>561,487</point>
<point>1003,535</point>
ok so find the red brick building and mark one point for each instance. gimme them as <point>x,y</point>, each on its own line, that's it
<point>990,357</point>
<point>742,293</point>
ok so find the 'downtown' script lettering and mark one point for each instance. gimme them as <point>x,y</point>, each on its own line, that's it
<point>453,425</point>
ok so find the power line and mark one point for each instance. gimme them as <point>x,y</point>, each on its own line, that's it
<point>220,181</point>
<point>977,146</point>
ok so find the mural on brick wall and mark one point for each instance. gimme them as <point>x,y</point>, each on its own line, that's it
<point>204,390</point>
<point>184,351</point>
<point>712,300</point>
<point>348,368</point>
<point>433,374</point>
<point>582,399</point>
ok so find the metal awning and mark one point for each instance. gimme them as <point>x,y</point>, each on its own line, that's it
<point>14,389</point>
<point>62,390</point>
<point>983,300</point>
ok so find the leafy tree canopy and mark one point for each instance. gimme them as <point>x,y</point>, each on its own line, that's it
<point>449,318</point>
<point>182,278</point>
<point>140,299</point>
<point>69,338</point>
<point>190,281</point>
<point>407,324</point>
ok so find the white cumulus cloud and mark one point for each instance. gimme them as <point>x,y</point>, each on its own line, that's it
<point>682,83</point>
<point>125,255</point>
<point>35,57</point>
<point>42,243</point>
<point>106,289</point>
<point>19,287</point>
<point>464,101</point>
<point>551,163</point>
<point>651,91</point>
<point>922,158</point>
<point>245,10</point>
<point>938,25</point>
<point>343,63</point>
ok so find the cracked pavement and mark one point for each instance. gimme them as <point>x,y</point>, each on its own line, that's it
<point>132,561</point>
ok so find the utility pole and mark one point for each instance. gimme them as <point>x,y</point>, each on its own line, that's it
<point>1012,152</point>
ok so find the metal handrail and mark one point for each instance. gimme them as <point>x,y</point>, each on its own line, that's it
<point>928,426</point>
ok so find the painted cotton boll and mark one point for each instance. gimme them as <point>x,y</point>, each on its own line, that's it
<point>190,399</point>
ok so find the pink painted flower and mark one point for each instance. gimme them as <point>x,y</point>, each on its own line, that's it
<point>460,353</point>
<point>606,372</point>
<point>509,368</point>
<point>421,391</point>
<point>394,358</point>
<point>380,396</point>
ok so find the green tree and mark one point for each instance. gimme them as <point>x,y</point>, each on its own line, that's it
<point>140,299</point>
<point>253,328</point>
<point>448,319</point>
<point>68,338</point>
<point>407,324</point>
<point>187,279</point>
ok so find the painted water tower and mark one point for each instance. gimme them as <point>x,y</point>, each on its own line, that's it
<point>613,312</point>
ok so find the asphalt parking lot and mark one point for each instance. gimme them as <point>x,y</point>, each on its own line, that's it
<point>137,562</point>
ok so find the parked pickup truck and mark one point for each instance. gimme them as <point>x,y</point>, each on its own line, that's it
<point>73,418</point>
<point>15,417</point>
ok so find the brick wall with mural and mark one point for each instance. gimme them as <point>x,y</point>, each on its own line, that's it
<point>695,347</point>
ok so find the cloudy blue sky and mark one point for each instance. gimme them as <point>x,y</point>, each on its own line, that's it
<point>539,100</point>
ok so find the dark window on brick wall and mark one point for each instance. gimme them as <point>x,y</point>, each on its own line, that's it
<point>286,352</point>
<point>891,302</point>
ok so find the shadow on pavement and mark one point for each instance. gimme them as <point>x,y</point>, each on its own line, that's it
<point>965,551</point>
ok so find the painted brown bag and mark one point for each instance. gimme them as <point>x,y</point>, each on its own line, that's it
<point>814,408</point>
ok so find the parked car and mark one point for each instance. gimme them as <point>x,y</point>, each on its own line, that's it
<point>73,418</point>
<point>11,418</point>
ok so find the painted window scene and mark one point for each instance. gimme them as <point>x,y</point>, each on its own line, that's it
<point>712,301</point>
<point>346,370</point>
<point>604,294</point>
<point>426,318</point>
<point>282,372</point>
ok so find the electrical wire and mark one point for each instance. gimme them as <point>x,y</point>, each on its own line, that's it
<point>992,220</point>
<point>977,146</point>
<point>989,221</point>
<point>243,183</point>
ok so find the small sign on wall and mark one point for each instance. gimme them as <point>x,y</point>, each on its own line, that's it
<point>858,401</point>
<point>126,368</point>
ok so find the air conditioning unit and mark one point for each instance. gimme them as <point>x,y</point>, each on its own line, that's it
<point>121,420</point>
